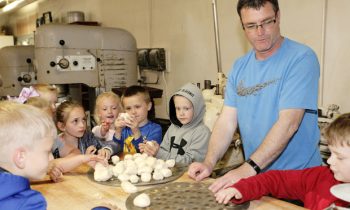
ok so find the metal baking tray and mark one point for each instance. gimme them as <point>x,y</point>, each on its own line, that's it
<point>182,195</point>
<point>114,181</point>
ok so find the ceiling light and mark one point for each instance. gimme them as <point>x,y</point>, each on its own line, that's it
<point>12,5</point>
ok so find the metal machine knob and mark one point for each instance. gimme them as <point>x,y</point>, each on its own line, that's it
<point>62,42</point>
<point>63,63</point>
<point>27,78</point>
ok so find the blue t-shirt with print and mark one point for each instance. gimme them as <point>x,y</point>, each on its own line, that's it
<point>260,89</point>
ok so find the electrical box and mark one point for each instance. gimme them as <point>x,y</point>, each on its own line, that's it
<point>151,59</point>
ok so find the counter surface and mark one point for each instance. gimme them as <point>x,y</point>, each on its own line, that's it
<point>77,191</point>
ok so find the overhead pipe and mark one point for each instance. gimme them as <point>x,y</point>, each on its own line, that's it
<point>217,38</point>
<point>323,49</point>
<point>221,77</point>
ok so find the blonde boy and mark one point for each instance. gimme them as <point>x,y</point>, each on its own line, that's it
<point>26,137</point>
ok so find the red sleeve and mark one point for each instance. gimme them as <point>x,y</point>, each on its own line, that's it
<point>289,184</point>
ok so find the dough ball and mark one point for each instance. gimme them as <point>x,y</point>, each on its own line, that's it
<point>151,161</point>
<point>142,200</point>
<point>144,155</point>
<point>150,143</point>
<point>128,187</point>
<point>157,171</point>
<point>130,162</point>
<point>110,169</point>
<point>139,159</point>
<point>145,169</point>
<point>123,177</point>
<point>102,173</point>
<point>131,169</point>
<point>136,155</point>
<point>124,116</point>
<point>99,166</point>
<point>101,176</point>
<point>118,169</point>
<point>146,177</point>
<point>134,179</point>
<point>128,157</point>
<point>170,163</point>
<point>159,166</point>
<point>115,159</point>
<point>166,172</point>
<point>160,161</point>
<point>141,164</point>
<point>157,176</point>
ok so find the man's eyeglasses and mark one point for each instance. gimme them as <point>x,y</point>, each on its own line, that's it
<point>266,24</point>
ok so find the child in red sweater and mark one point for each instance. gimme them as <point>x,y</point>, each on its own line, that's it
<point>311,186</point>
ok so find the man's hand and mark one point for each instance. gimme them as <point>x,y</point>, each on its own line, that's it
<point>199,171</point>
<point>232,177</point>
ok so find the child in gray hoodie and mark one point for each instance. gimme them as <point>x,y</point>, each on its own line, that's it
<point>187,138</point>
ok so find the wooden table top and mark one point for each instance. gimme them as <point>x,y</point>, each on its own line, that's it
<point>76,191</point>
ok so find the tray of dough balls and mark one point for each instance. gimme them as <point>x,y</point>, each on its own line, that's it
<point>138,169</point>
<point>178,195</point>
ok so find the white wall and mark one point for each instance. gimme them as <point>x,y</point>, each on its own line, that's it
<point>185,29</point>
<point>337,55</point>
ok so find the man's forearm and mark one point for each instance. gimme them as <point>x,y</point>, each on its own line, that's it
<point>278,137</point>
<point>219,141</point>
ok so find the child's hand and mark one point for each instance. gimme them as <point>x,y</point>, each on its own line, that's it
<point>131,122</point>
<point>121,120</point>
<point>91,150</point>
<point>105,125</point>
<point>91,160</point>
<point>55,173</point>
<point>225,195</point>
<point>149,147</point>
<point>104,153</point>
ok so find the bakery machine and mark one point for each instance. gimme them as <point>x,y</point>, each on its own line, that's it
<point>326,115</point>
<point>85,60</point>
<point>16,69</point>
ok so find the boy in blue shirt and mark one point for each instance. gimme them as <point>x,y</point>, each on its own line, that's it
<point>26,138</point>
<point>133,127</point>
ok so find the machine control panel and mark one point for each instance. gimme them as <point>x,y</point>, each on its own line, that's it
<point>114,68</point>
<point>76,63</point>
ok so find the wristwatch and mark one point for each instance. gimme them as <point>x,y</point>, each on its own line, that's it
<point>253,165</point>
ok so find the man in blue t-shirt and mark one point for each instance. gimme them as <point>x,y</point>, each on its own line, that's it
<point>271,94</point>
